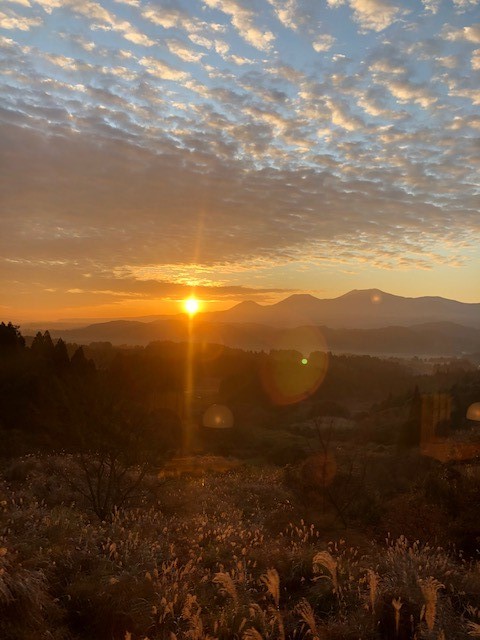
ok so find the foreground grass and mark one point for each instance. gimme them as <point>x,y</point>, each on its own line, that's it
<point>218,557</point>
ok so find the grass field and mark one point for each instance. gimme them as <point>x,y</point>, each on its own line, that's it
<point>230,554</point>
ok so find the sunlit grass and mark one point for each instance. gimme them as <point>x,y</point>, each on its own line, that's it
<point>204,563</point>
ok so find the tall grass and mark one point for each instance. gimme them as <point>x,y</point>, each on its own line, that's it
<point>201,561</point>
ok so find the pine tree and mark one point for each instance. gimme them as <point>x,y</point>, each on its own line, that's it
<point>11,340</point>
<point>60,356</point>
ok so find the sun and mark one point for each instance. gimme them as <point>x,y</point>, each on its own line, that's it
<point>191,305</point>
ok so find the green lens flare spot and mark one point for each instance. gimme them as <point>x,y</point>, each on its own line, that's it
<point>304,361</point>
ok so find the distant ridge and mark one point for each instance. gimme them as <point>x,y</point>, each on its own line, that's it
<point>445,339</point>
<point>357,309</point>
<point>361,321</point>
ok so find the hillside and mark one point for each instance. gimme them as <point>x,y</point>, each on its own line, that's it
<point>439,339</point>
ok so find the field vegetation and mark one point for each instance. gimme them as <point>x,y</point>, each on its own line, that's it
<point>322,518</point>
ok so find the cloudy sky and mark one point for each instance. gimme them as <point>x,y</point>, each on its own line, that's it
<point>246,148</point>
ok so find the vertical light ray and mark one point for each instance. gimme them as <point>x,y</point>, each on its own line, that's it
<point>187,412</point>
<point>191,306</point>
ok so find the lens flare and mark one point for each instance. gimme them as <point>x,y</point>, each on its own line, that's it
<point>218,416</point>
<point>287,375</point>
<point>473,412</point>
<point>319,470</point>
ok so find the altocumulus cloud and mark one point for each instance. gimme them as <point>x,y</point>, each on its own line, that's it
<point>138,135</point>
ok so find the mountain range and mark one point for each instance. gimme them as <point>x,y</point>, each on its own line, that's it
<point>358,309</point>
<point>365,321</point>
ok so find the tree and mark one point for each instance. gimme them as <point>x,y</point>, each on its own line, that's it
<point>42,348</point>
<point>11,340</point>
<point>115,442</point>
<point>80,364</point>
<point>60,356</point>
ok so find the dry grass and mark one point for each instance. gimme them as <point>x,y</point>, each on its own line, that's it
<point>193,564</point>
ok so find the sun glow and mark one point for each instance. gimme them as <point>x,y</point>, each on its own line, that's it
<point>191,306</point>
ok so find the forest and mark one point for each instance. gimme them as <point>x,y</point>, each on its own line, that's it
<point>196,491</point>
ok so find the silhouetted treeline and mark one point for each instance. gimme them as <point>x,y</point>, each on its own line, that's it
<point>49,390</point>
<point>35,383</point>
<point>55,401</point>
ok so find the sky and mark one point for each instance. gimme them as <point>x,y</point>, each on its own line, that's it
<point>239,149</point>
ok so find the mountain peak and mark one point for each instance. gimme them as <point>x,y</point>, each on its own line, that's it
<point>247,304</point>
<point>365,293</point>
<point>301,296</point>
<point>297,299</point>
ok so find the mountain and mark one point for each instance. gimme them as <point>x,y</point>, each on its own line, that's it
<point>358,309</point>
<point>31,328</point>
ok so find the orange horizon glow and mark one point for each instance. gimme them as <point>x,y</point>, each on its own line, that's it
<point>106,312</point>
<point>37,311</point>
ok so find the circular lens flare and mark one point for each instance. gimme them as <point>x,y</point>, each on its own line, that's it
<point>191,306</point>
<point>218,416</point>
<point>319,470</point>
<point>289,375</point>
<point>473,412</point>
